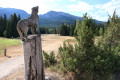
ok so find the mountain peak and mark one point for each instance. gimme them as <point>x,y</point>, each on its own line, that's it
<point>51,18</point>
<point>10,11</point>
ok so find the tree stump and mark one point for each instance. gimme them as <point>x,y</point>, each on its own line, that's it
<point>33,59</point>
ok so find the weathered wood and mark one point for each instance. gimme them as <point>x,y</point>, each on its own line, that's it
<point>33,59</point>
<point>5,52</point>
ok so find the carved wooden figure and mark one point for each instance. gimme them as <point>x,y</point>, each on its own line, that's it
<point>32,47</point>
<point>32,21</point>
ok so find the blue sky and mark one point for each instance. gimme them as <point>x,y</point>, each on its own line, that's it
<point>97,9</point>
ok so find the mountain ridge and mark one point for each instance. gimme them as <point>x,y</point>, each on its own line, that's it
<point>51,18</point>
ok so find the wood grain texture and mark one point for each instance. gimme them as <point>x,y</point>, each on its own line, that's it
<point>33,59</point>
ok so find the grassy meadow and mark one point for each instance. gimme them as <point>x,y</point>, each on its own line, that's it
<point>4,42</point>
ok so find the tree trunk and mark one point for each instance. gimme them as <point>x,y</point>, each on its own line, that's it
<point>33,59</point>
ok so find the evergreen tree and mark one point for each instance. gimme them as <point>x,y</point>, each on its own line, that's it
<point>77,25</point>
<point>97,30</point>
<point>80,59</point>
<point>19,18</point>
<point>11,31</point>
<point>55,31</point>
<point>101,31</point>
<point>87,61</point>
<point>64,30</point>
<point>112,33</point>
<point>15,21</point>
<point>5,21</point>
<point>71,30</point>
<point>1,26</point>
<point>7,31</point>
<point>89,22</point>
<point>47,31</point>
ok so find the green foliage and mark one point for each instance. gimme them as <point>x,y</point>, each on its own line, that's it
<point>52,31</point>
<point>2,25</point>
<point>45,30</point>
<point>101,31</point>
<point>66,54</point>
<point>111,38</point>
<point>77,27</point>
<point>8,42</point>
<point>66,30</point>
<point>71,30</point>
<point>90,62</point>
<point>88,23</point>
<point>8,27</point>
<point>49,60</point>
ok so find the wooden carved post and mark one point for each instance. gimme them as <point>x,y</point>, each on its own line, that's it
<point>33,59</point>
<point>5,51</point>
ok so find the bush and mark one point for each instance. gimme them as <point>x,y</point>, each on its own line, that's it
<point>49,60</point>
<point>87,61</point>
<point>99,65</point>
<point>66,55</point>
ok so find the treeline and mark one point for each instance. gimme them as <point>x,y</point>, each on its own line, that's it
<point>8,27</point>
<point>90,59</point>
<point>63,30</point>
<point>66,30</point>
<point>45,30</point>
<point>70,30</point>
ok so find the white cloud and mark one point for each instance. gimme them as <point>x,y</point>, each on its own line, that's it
<point>80,7</point>
<point>111,6</point>
<point>97,16</point>
<point>26,5</point>
<point>72,0</point>
<point>98,11</point>
<point>59,0</point>
<point>54,0</point>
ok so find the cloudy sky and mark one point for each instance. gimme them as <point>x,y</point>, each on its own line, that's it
<point>97,9</point>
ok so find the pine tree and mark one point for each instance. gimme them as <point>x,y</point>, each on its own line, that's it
<point>11,31</point>
<point>77,25</point>
<point>55,31</point>
<point>19,18</point>
<point>1,26</point>
<point>101,31</point>
<point>15,21</point>
<point>46,31</point>
<point>7,31</point>
<point>71,30</point>
<point>5,21</point>
<point>111,36</point>
<point>63,30</point>
<point>88,21</point>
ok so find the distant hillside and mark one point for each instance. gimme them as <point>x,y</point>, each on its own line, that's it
<point>51,18</point>
<point>9,11</point>
<point>57,18</point>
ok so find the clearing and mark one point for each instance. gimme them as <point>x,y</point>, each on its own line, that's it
<point>12,68</point>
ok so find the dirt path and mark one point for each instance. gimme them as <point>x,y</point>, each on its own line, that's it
<point>13,68</point>
<point>12,52</point>
<point>10,66</point>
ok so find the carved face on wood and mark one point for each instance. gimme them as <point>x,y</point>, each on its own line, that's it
<point>35,9</point>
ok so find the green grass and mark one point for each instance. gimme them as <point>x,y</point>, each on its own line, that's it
<point>4,42</point>
<point>70,40</point>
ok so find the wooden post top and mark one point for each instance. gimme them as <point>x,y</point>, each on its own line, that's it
<point>33,36</point>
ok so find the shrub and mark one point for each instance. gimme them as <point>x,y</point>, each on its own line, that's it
<point>49,60</point>
<point>90,62</point>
